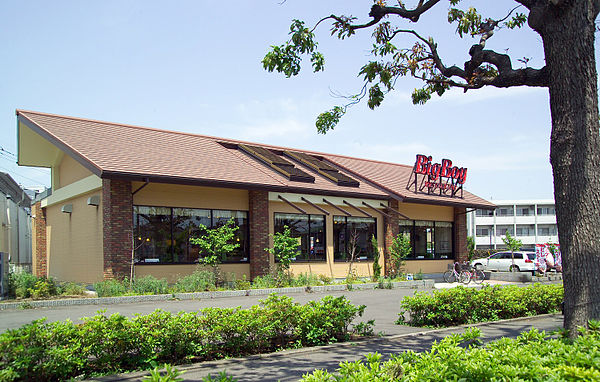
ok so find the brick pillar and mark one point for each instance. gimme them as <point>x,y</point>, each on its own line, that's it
<point>117,215</point>
<point>259,232</point>
<point>460,233</point>
<point>40,254</point>
<point>391,229</point>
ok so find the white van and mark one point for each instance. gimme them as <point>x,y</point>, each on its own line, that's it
<point>502,261</point>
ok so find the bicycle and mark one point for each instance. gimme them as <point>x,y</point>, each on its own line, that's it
<point>471,273</point>
<point>452,275</point>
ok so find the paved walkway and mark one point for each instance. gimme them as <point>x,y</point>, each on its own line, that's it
<point>292,364</point>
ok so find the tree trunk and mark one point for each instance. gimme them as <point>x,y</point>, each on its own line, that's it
<point>568,35</point>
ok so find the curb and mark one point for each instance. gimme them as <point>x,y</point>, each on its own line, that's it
<point>209,295</point>
<point>225,362</point>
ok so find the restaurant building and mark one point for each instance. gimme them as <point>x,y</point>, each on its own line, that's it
<point>123,193</point>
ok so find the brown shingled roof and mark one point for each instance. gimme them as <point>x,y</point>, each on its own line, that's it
<point>133,152</point>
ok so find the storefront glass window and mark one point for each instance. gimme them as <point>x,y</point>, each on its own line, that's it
<point>443,240</point>
<point>162,234</point>
<point>424,240</point>
<point>240,218</point>
<point>430,240</point>
<point>310,232</point>
<point>186,223</point>
<point>350,233</point>
<point>153,234</point>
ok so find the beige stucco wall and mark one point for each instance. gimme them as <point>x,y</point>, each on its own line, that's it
<point>175,271</point>
<point>74,241</point>
<point>172,195</point>
<point>426,212</point>
<point>70,171</point>
<point>427,266</point>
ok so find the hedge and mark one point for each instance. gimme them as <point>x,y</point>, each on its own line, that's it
<point>102,344</point>
<point>460,305</point>
<point>530,357</point>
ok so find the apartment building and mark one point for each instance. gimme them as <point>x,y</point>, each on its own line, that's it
<point>531,221</point>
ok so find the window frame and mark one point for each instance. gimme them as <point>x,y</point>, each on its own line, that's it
<point>413,256</point>
<point>309,234</point>
<point>347,236</point>
<point>172,240</point>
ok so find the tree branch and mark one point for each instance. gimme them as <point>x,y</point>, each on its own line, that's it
<point>526,3</point>
<point>378,12</point>
<point>473,76</point>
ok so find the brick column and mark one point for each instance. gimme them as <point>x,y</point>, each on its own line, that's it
<point>117,218</point>
<point>40,254</point>
<point>460,233</point>
<point>391,229</point>
<point>259,232</point>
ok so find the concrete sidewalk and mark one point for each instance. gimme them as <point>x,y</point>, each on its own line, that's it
<point>290,365</point>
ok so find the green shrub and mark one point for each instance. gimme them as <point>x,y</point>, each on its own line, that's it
<point>26,285</point>
<point>264,282</point>
<point>306,279</point>
<point>171,375</point>
<point>327,320</point>
<point>199,281</point>
<point>149,285</point>
<point>110,344</point>
<point>325,279</point>
<point>241,284</point>
<point>460,305</point>
<point>222,377</point>
<point>41,351</point>
<point>71,289</point>
<point>110,288</point>
<point>530,357</point>
<point>43,288</point>
<point>20,283</point>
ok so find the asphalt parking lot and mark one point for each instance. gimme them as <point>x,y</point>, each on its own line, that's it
<point>382,306</point>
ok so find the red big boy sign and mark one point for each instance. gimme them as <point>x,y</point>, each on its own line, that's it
<point>445,169</point>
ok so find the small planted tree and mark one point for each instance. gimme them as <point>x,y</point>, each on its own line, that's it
<point>399,251</point>
<point>353,251</point>
<point>513,244</point>
<point>470,247</point>
<point>216,244</point>
<point>376,265</point>
<point>285,248</point>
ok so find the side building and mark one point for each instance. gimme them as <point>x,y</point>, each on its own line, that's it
<point>15,222</point>
<point>128,198</point>
<point>531,221</point>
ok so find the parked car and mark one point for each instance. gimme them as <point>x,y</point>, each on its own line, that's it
<point>502,261</point>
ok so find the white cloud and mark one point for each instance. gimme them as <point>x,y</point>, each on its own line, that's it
<point>267,108</point>
<point>274,130</point>
<point>396,153</point>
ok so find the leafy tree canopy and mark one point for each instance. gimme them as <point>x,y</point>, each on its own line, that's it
<point>421,60</point>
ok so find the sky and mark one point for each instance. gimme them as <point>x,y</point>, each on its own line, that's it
<point>195,66</point>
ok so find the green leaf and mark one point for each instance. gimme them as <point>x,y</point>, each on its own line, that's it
<point>328,120</point>
<point>375,97</point>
